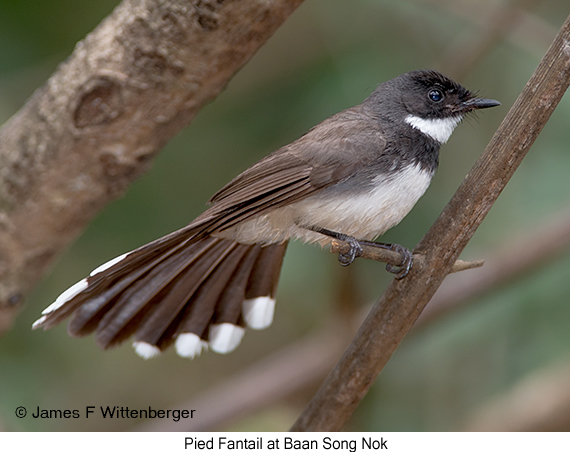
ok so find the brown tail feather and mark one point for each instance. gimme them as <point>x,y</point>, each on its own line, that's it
<point>198,314</point>
<point>109,291</point>
<point>180,288</point>
<point>265,273</point>
<point>228,308</point>
<point>88,293</point>
<point>132,308</point>
<point>169,304</point>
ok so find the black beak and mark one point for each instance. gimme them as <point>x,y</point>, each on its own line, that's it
<point>477,104</point>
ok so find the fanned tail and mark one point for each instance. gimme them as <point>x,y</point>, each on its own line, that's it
<point>196,292</point>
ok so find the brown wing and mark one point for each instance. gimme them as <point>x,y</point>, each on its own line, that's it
<point>270,184</point>
<point>326,155</point>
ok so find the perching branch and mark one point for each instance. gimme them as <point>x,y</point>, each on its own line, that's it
<point>403,301</point>
<point>129,87</point>
<point>395,258</point>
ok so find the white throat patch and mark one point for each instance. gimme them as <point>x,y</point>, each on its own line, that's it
<point>438,129</point>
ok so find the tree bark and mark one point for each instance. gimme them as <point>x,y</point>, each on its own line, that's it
<point>94,127</point>
<point>403,301</point>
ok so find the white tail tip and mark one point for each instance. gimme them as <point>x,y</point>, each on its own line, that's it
<point>66,296</point>
<point>145,350</point>
<point>38,323</point>
<point>258,312</point>
<point>108,264</point>
<point>189,345</point>
<point>225,337</point>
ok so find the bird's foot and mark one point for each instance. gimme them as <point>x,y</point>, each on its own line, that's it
<point>345,259</point>
<point>355,251</point>
<point>402,270</point>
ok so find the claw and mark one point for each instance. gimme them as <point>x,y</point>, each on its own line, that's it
<point>402,270</point>
<point>355,251</point>
<point>407,261</point>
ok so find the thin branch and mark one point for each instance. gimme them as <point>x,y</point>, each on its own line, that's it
<point>394,258</point>
<point>82,138</point>
<point>403,301</point>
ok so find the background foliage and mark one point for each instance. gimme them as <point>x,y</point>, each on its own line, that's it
<point>330,55</point>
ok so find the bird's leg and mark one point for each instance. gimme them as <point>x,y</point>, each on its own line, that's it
<point>355,251</point>
<point>407,257</point>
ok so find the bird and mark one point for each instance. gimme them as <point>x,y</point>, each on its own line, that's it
<point>352,177</point>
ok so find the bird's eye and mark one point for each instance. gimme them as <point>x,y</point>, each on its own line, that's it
<point>435,95</point>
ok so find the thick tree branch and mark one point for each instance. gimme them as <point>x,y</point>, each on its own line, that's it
<point>128,87</point>
<point>403,301</point>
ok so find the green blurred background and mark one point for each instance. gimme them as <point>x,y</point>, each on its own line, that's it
<point>328,56</point>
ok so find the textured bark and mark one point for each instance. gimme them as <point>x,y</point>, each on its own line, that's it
<point>94,127</point>
<point>403,301</point>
